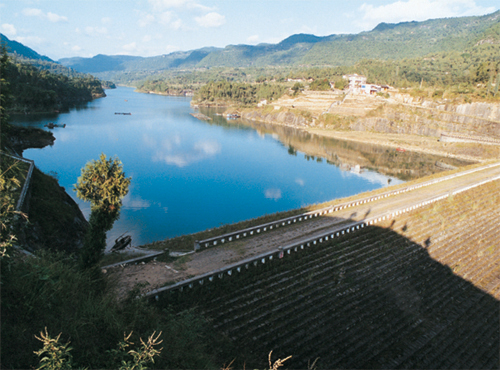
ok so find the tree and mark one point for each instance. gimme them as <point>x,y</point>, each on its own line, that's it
<point>5,98</point>
<point>103,184</point>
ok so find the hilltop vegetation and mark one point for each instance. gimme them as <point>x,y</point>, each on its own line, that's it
<point>385,42</point>
<point>35,90</point>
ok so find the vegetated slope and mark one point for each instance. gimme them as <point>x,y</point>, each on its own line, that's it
<point>403,40</point>
<point>120,63</point>
<point>19,49</point>
<point>386,41</point>
<point>419,292</point>
<point>35,90</point>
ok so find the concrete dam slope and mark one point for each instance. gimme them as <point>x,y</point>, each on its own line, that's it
<point>419,290</point>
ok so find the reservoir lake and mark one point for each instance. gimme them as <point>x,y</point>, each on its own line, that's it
<point>190,175</point>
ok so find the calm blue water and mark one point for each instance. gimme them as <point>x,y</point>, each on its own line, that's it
<point>187,175</point>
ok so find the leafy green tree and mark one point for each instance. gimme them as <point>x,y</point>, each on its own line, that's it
<point>8,184</point>
<point>103,184</point>
<point>320,85</point>
<point>297,88</point>
<point>4,95</point>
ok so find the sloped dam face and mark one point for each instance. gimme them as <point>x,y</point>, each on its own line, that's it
<point>373,299</point>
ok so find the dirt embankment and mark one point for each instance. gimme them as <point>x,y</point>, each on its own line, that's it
<point>402,116</point>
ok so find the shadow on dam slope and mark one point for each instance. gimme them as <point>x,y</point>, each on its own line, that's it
<point>373,299</point>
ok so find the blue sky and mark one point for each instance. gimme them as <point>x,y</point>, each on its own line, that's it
<point>67,28</point>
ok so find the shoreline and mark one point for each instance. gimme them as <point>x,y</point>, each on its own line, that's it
<point>394,141</point>
<point>406,142</point>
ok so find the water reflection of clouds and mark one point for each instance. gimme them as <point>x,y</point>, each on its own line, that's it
<point>173,151</point>
<point>274,194</point>
<point>300,181</point>
<point>135,202</point>
<point>375,177</point>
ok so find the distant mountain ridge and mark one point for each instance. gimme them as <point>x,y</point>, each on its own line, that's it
<point>119,63</point>
<point>385,42</point>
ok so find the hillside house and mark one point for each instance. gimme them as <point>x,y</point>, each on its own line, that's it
<point>355,81</point>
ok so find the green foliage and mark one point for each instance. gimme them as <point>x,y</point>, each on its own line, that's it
<point>297,87</point>
<point>103,184</point>
<point>243,93</point>
<point>51,291</point>
<point>140,358</point>
<point>9,186</point>
<point>320,85</point>
<point>41,90</point>
<point>53,355</point>
<point>5,97</point>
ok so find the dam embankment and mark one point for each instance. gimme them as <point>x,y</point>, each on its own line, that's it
<point>419,290</point>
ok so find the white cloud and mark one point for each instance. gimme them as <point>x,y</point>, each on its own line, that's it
<point>96,31</point>
<point>33,12</point>
<point>166,4</point>
<point>106,20</point>
<point>176,24</point>
<point>145,20</point>
<point>418,10</point>
<point>9,29</point>
<point>253,39</point>
<point>130,47</point>
<point>274,194</point>
<point>165,17</point>
<point>212,19</point>
<point>146,38</point>
<point>30,40</point>
<point>76,48</point>
<point>56,18</point>
<point>160,5</point>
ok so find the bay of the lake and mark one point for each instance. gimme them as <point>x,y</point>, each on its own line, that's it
<point>187,175</point>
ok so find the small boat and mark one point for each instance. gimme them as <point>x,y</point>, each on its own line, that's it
<point>125,114</point>
<point>121,243</point>
<point>53,125</point>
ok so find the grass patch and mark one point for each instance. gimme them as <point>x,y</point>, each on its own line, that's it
<point>111,258</point>
<point>53,212</point>
<point>50,291</point>
<point>180,263</point>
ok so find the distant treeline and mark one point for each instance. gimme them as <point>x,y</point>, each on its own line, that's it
<point>41,90</point>
<point>243,93</point>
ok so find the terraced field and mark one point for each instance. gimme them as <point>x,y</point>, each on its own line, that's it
<point>419,291</point>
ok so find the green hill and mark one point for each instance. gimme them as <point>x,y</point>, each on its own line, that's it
<point>124,63</point>
<point>385,42</point>
<point>14,47</point>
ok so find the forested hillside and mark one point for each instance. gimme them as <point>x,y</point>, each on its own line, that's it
<point>35,90</point>
<point>404,46</point>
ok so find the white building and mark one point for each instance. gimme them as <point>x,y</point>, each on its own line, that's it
<point>355,81</point>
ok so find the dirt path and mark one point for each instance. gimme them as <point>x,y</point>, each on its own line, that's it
<point>156,274</point>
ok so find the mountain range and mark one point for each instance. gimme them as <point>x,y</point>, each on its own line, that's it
<point>385,42</point>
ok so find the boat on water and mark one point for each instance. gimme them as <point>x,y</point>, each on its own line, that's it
<point>124,114</point>
<point>121,243</point>
<point>53,125</point>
